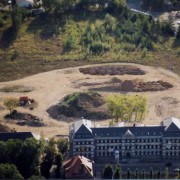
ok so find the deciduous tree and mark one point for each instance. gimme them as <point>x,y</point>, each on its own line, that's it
<point>58,162</point>
<point>143,174</point>
<point>108,172</point>
<point>166,173</point>
<point>63,145</point>
<point>48,159</point>
<point>118,173</point>
<point>151,173</point>
<point>128,174</point>
<point>11,103</point>
<point>9,171</point>
<point>127,107</point>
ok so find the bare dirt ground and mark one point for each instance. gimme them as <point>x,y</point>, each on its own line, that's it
<point>50,87</point>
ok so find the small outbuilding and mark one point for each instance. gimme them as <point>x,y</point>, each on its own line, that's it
<point>78,167</point>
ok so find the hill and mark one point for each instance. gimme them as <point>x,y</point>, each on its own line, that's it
<point>79,36</point>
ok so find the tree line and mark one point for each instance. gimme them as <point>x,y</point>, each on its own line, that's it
<point>31,158</point>
<point>116,173</point>
<point>158,5</point>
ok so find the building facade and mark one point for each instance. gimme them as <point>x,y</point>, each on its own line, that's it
<point>139,143</point>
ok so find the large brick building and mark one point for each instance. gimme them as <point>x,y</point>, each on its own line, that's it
<point>141,143</point>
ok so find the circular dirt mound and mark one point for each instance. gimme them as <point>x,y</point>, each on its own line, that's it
<point>112,70</point>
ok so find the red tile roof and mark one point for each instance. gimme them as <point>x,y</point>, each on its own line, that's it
<point>78,167</point>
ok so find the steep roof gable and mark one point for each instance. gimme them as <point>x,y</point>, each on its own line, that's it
<point>172,127</point>
<point>83,132</point>
<point>128,133</point>
<point>171,123</point>
<point>84,129</point>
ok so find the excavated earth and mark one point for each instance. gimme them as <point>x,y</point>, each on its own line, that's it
<point>85,104</point>
<point>129,86</point>
<point>112,70</point>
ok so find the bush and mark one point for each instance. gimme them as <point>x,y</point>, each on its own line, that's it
<point>98,47</point>
<point>9,171</point>
<point>68,44</point>
<point>1,23</point>
<point>15,54</point>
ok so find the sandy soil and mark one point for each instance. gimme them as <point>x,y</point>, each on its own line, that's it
<point>51,86</point>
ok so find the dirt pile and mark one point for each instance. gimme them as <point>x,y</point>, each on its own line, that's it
<point>152,86</point>
<point>90,105</point>
<point>25,119</point>
<point>132,86</point>
<point>112,70</point>
<point>4,128</point>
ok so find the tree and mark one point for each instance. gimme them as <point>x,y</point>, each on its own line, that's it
<point>136,174</point>
<point>178,33</point>
<point>118,173</point>
<point>17,17</point>
<point>47,4</point>
<point>29,159</point>
<point>13,151</point>
<point>11,103</point>
<point>143,175</point>
<point>48,160</point>
<point>9,171</point>
<point>153,4</point>
<point>63,145</point>
<point>24,154</point>
<point>128,174</point>
<point>36,177</point>
<point>159,174</point>
<point>58,162</point>
<point>119,4</point>
<point>166,173</point>
<point>58,6</point>
<point>68,44</point>
<point>3,152</point>
<point>108,172</point>
<point>151,173</point>
<point>127,107</point>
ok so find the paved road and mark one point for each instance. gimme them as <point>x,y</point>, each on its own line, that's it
<point>134,5</point>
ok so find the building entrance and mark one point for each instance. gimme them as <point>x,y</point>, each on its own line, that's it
<point>128,155</point>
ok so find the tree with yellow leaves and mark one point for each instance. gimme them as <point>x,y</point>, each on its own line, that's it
<point>127,107</point>
<point>11,103</point>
